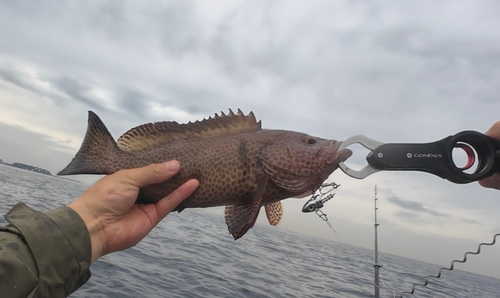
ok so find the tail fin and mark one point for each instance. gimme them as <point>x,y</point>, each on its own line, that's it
<point>97,149</point>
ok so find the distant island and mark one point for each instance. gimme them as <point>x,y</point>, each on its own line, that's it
<point>27,167</point>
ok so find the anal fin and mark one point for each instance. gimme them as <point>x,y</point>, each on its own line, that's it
<point>274,212</point>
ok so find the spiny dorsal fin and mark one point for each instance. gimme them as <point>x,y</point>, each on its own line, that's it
<point>152,135</point>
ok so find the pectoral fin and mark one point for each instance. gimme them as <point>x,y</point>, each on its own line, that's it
<point>241,218</point>
<point>288,180</point>
<point>274,212</point>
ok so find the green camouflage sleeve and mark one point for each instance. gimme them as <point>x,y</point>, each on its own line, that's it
<point>43,254</point>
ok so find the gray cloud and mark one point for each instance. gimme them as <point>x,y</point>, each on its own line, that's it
<point>470,221</point>
<point>195,100</point>
<point>78,90</point>
<point>414,218</point>
<point>20,145</point>
<point>61,90</point>
<point>134,102</point>
<point>407,215</point>
<point>15,77</point>
<point>343,66</point>
<point>179,28</point>
<point>415,207</point>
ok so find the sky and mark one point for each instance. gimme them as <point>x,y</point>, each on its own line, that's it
<point>394,71</point>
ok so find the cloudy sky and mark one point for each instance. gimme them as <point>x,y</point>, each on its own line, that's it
<point>394,71</point>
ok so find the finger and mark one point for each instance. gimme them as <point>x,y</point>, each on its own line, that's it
<point>494,131</point>
<point>168,203</point>
<point>154,173</point>
<point>491,182</point>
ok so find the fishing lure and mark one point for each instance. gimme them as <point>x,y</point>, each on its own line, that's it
<point>318,200</point>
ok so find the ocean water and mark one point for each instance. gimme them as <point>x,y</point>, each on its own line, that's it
<point>191,255</point>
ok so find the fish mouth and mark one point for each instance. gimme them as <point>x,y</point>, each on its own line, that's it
<point>343,155</point>
<point>339,156</point>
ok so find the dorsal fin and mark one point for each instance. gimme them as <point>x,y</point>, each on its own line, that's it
<point>152,135</point>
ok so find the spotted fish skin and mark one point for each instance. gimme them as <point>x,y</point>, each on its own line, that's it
<point>239,165</point>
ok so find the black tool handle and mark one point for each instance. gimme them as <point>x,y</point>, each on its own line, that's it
<point>436,158</point>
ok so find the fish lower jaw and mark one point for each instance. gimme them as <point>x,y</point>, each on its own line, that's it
<point>341,156</point>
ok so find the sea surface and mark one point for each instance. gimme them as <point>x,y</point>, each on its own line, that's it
<point>191,255</point>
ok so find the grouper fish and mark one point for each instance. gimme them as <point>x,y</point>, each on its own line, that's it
<point>238,164</point>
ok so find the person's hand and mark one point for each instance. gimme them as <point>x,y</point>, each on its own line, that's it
<point>108,210</point>
<point>492,181</point>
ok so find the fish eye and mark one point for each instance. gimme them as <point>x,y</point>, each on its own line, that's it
<point>309,141</point>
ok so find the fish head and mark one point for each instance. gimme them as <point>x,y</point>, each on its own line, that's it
<point>300,163</point>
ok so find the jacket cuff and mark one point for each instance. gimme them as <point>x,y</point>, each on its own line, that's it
<point>60,244</point>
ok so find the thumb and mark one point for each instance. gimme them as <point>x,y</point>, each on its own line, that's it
<point>152,174</point>
<point>494,131</point>
<point>491,182</point>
